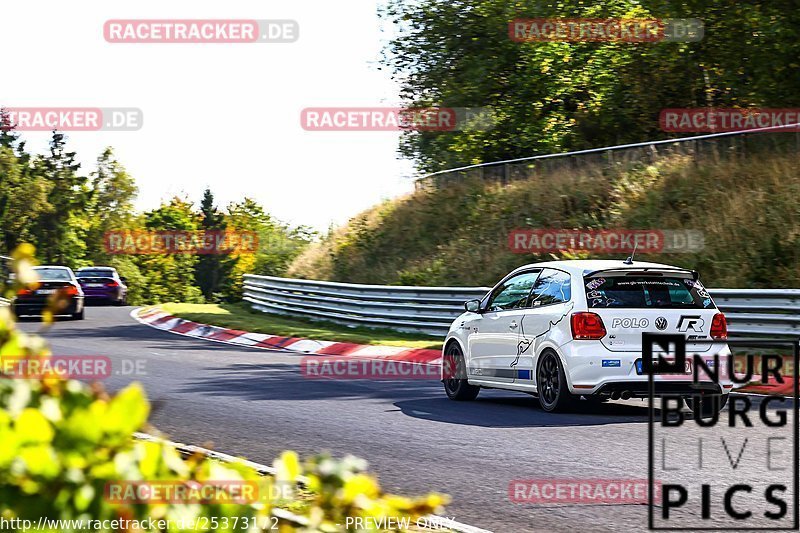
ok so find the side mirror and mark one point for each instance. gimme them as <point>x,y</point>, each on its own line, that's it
<point>124,279</point>
<point>473,306</point>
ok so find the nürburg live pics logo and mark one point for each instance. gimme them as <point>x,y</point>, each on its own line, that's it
<point>716,469</point>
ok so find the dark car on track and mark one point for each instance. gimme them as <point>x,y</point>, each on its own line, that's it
<point>58,290</point>
<point>101,283</point>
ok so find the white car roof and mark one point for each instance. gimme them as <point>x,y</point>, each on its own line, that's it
<point>582,266</point>
<point>53,267</point>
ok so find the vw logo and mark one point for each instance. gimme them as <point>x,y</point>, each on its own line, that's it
<point>661,323</point>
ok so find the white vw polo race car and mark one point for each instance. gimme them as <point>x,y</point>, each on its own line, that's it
<point>565,329</point>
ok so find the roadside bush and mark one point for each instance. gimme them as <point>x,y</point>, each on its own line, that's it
<point>137,282</point>
<point>62,442</point>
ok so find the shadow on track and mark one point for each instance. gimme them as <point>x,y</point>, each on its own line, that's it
<point>496,409</point>
<point>414,398</point>
<point>283,381</point>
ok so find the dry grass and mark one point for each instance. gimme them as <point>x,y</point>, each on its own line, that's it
<point>747,209</point>
<point>240,316</point>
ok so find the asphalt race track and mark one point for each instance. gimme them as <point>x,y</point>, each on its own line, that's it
<point>255,403</point>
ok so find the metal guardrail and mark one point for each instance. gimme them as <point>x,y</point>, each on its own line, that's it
<point>430,310</point>
<point>760,311</point>
<point>4,302</point>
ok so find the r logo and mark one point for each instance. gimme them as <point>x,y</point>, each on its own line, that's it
<point>692,322</point>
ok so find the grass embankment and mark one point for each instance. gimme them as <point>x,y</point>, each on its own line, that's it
<point>240,316</point>
<point>747,209</point>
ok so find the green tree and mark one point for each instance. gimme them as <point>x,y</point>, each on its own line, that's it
<point>214,269</point>
<point>556,96</point>
<point>171,276</point>
<point>278,243</point>
<point>22,200</point>
<point>23,193</point>
<point>110,205</point>
<point>45,201</point>
<point>61,228</point>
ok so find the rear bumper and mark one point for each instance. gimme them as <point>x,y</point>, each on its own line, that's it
<point>638,389</point>
<point>23,308</point>
<point>102,294</point>
<point>97,297</point>
<point>593,369</point>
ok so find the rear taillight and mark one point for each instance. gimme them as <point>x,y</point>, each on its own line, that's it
<point>70,290</point>
<point>112,284</point>
<point>24,292</point>
<point>587,326</point>
<point>719,327</point>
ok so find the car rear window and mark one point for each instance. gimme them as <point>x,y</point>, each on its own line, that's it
<point>58,274</point>
<point>656,292</point>
<point>95,274</point>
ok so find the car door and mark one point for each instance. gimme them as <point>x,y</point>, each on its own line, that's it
<point>548,311</point>
<point>493,341</point>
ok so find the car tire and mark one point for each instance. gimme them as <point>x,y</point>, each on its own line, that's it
<point>551,384</point>
<point>457,388</point>
<point>708,405</point>
<point>78,315</point>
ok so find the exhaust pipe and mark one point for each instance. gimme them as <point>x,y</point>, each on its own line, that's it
<point>625,395</point>
<point>615,395</point>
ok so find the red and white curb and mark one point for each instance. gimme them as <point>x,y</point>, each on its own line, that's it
<point>159,319</point>
<point>162,320</point>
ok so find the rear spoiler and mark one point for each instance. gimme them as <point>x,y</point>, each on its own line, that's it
<point>695,275</point>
